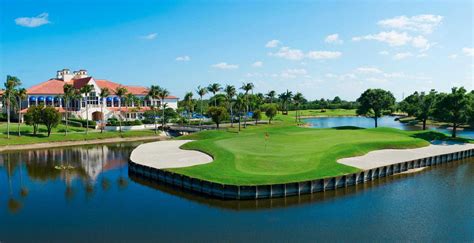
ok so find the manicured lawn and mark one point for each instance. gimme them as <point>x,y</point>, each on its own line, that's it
<point>57,135</point>
<point>291,153</point>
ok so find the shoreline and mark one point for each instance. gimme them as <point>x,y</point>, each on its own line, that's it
<point>18,147</point>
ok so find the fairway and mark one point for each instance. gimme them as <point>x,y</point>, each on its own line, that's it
<point>290,153</point>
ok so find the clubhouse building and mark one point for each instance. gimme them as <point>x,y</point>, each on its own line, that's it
<point>49,93</point>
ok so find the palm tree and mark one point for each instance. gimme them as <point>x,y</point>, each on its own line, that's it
<point>271,95</point>
<point>201,92</point>
<point>285,98</point>
<point>240,105</point>
<point>104,93</point>
<point>298,99</point>
<point>86,90</point>
<point>246,87</point>
<point>188,103</point>
<point>120,92</point>
<point>153,93</point>
<point>9,94</point>
<point>69,93</point>
<point>163,94</point>
<point>129,100</point>
<point>21,95</point>
<point>230,93</point>
<point>214,88</point>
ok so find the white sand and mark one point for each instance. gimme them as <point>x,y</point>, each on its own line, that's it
<point>167,154</point>
<point>385,157</point>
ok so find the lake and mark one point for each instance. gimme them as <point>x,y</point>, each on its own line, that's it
<point>85,193</point>
<point>386,121</point>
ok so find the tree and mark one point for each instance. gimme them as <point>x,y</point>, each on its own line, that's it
<point>69,94</point>
<point>163,94</point>
<point>410,104</point>
<point>271,95</point>
<point>257,116</point>
<point>86,90</point>
<point>33,117</point>
<point>11,84</point>
<point>201,91</point>
<point>285,98</point>
<point>270,111</point>
<point>230,93</point>
<point>21,95</point>
<point>420,105</point>
<point>120,92</point>
<point>153,93</point>
<point>453,108</point>
<point>246,87</point>
<point>214,88</point>
<point>240,106</point>
<point>217,114</point>
<point>104,93</point>
<point>374,103</point>
<point>188,103</point>
<point>50,117</point>
<point>129,100</point>
<point>298,99</point>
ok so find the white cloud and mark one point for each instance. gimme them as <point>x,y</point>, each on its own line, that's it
<point>257,64</point>
<point>333,39</point>
<point>272,44</point>
<point>183,59</point>
<point>402,55</point>
<point>33,22</point>
<point>225,65</point>
<point>393,38</point>
<point>293,73</point>
<point>384,53</point>
<point>323,54</point>
<point>288,53</point>
<point>368,70</point>
<point>421,43</point>
<point>420,23</point>
<point>150,36</point>
<point>453,56</point>
<point>422,55</point>
<point>468,51</point>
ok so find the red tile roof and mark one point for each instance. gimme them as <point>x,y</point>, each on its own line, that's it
<point>52,86</point>
<point>55,86</point>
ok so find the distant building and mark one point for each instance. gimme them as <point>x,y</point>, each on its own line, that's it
<point>50,93</point>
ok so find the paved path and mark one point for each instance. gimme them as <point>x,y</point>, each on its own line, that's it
<point>167,154</point>
<point>385,157</point>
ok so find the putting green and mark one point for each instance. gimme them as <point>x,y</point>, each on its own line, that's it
<point>289,153</point>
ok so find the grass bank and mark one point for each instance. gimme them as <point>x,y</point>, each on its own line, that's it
<point>57,135</point>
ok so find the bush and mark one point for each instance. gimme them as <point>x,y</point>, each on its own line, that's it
<point>83,122</point>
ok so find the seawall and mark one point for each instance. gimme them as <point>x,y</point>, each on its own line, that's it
<point>224,191</point>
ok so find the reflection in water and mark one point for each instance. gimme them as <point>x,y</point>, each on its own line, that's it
<point>82,164</point>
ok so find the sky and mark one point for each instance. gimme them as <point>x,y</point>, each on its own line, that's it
<point>320,48</point>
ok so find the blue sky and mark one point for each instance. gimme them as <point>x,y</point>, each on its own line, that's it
<point>320,48</point>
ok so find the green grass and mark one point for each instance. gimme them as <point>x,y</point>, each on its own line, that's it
<point>291,153</point>
<point>57,135</point>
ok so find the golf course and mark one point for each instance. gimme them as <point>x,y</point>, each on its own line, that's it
<point>283,152</point>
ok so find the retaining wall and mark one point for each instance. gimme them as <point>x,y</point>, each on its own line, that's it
<point>224,191</point>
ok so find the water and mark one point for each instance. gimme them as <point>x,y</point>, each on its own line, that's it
<point>99,201</point>
<point>386,121</point>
